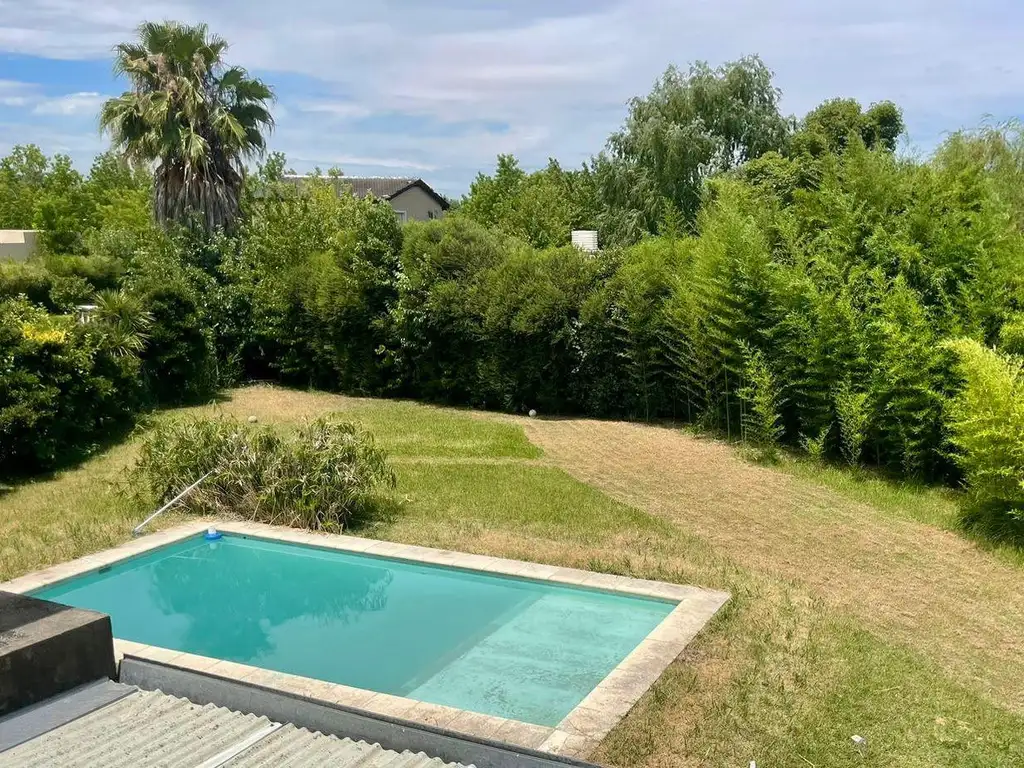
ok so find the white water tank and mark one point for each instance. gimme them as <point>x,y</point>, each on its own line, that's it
<point>585,240</point>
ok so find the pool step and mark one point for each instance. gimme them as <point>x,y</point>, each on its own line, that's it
<point>524,662</point>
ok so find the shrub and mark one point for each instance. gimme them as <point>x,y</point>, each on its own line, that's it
<point>179,362</point>
<point>853,417</point>
<point>327,475</point>
<point>815,446</point>
<point>63,385</point>
<point>987,422</point>
<point>66,293</point>
<point>762,420</point>
<point>528,307</point>
<point>1011,335</point>
<point>435,320</point>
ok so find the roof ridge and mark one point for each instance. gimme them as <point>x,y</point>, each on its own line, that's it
<point>346,176</point>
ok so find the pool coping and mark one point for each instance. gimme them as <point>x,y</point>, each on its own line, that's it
<point>576,735</point>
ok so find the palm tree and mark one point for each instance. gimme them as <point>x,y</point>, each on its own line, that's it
<point>124,322</point>
<point>198,118</point>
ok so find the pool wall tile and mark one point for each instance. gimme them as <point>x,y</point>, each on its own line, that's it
<point>523,734</point>
<point>436,715</point>
<point>476,724</point>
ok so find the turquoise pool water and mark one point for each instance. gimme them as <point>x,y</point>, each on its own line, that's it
<point>510,647</point>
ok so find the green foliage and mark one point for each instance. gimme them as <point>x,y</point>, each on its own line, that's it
<point>309,290</point>
<point>67,293</point>
<point>528,308</point>
<point>692,125</point>
<point>541,208</point>
<point>22,180</point>
<point>62,385</point>
<point>199,119</point>
<point>838,120</point>
<point>437,334</point>
<point>762,417</point>
<point>1011,335</point>
<point>800,289</point>
<point>124,322</point>
<point>853,417</point>
<point>179,359</point>
<point>815,447</point>
<point>987,424</point>
<point>326,475</point>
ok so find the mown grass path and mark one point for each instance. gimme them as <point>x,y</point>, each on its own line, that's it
<point>932,589</point>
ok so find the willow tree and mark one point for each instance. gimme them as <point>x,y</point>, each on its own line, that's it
<point>196,118</point>
<point>691,126</point>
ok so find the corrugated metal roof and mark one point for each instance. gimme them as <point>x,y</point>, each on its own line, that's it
<point>149,729</point>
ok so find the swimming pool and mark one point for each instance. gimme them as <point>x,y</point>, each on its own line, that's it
<point>515,648</point>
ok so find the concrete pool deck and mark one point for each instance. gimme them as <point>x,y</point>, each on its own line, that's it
<point>576,735</point>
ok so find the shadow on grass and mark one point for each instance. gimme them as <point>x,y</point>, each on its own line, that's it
<point>31,470</point>
<point>993,525</point>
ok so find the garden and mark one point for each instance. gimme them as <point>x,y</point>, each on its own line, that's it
<point>793,372</point>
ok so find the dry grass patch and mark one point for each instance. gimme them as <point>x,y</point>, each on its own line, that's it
<point>929,588</point>
<point>70,514</point>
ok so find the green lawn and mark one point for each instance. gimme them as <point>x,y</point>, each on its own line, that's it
<point>780,677</point>
<point>899,498</point>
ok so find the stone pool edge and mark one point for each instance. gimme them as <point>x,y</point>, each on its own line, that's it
<point>576,735</point>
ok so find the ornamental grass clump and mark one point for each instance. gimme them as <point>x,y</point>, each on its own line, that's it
<point>326,475</point>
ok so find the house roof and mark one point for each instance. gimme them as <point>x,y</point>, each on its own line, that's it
<point>382,187</point>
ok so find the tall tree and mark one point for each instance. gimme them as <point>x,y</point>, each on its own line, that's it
<point>541,208</point>
<point>198,118</point>
<point>692,125</point>
<point>835,121</point>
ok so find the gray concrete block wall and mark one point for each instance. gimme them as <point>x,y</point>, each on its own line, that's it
<point>47,648</point>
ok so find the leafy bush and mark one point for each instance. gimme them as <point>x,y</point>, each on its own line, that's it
<point>987,423</point>
<point>762,420</point>
<point>1011,335</point>
<point>326,475</point>
<point>63,385</point>
<point>853,418</point>
<point>435,321</point>
<point>31,280</point>
<point>179,361</point>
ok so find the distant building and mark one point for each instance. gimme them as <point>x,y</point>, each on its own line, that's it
<point>17,244</point>
<point>412,199</point>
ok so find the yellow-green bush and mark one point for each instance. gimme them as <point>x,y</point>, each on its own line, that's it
<point>986,420</point>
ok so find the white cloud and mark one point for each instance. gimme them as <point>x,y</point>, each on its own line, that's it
<point>16,94</point>
<point>338,109</point>
<point>329,160</point>
<point>83,103</point>
<point>557,75</point>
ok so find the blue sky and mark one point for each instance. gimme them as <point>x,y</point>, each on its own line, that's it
<point>438,89</point>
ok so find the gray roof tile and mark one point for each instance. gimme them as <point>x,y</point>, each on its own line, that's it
<point>382,187</point>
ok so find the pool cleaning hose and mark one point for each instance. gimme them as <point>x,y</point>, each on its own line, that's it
<point>138,529</point>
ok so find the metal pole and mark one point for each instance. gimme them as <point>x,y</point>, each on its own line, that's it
<point>138,529</point>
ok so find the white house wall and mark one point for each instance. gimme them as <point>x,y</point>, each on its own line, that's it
<point>417,204</point>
